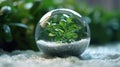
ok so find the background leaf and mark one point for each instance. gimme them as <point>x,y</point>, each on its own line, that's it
<point>7,33</point>
<point>19,25</point>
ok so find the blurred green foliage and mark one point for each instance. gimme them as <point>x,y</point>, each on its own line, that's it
<point>18,19</point>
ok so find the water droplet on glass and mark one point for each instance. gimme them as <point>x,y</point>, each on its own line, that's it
<point>60,29</point>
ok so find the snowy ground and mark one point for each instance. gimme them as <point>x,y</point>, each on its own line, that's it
<point>97,56</point>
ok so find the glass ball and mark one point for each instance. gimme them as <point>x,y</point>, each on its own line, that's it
<point>62,32</point>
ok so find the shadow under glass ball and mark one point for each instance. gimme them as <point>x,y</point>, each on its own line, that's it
<point>62,32</point>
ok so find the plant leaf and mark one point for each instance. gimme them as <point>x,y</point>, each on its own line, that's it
<point>51,34</point>
<point>7,33</point>
<point>69,20</point>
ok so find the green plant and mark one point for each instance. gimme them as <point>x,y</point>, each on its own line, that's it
<point>15,26</point>
<point>63,29</point>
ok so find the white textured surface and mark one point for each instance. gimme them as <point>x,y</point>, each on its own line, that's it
<point>99,56</point>
<point>82,41</point>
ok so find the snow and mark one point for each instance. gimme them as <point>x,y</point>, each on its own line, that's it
<point>94,56</point>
